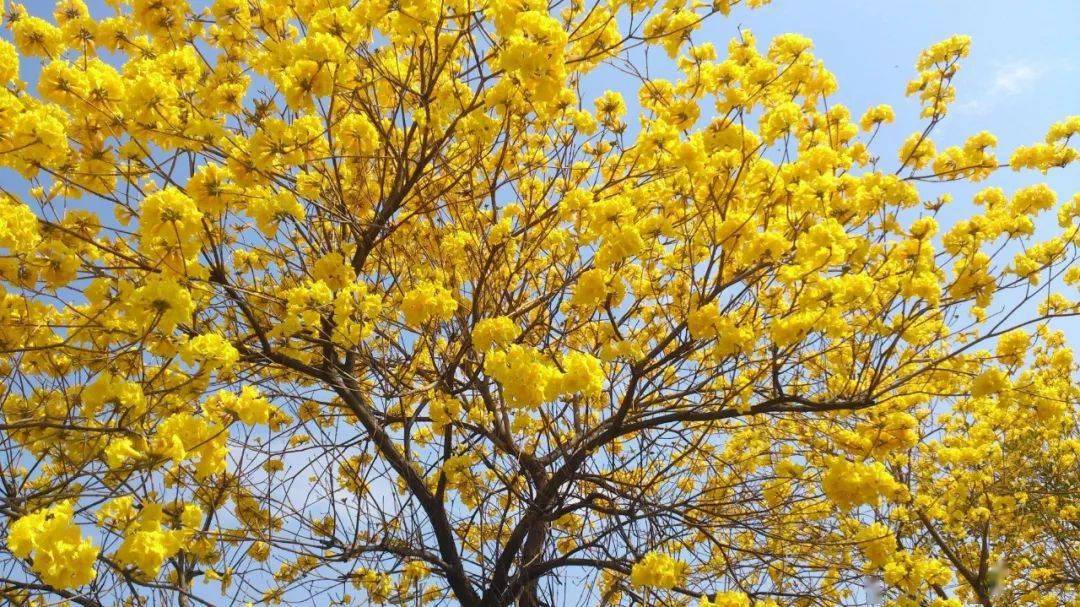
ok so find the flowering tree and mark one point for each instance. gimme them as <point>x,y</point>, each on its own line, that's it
<point>331,301</point>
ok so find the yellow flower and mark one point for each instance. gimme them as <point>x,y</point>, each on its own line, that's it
<point>731,336</point>
<point>592,289</point>
<point>212,350</point>
<point>1033,199</point>
<point>850,484</point>
<point>147,545</point>
<point>260,551</point>
<point>658,570</point>
<point>444,409</point>
<point>250,406</point>
<point>9,62</point>
<point>161,302</point>
<point>730,598</point>
<point>37,37</point>
<point>427,301</point>
<point>119,451</point>
<point>269,211</point>
<point>18,226</point>
<point>877,543</point>
<point>877,115</point>
<point>62,556</point>
<point>917,151</point>
<point>1013,347</point>
<point>610,109</point>
<point>989,383</point>
<point>527,379</point>
<point>182,435</point>
<point>582,373</point>
<point>488,332</point>
<point>169,215</point>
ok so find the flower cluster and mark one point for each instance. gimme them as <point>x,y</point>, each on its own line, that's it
<point>62,556</point>
<point>427,301</point>
<point>658,570</point>
<point>849,484</point>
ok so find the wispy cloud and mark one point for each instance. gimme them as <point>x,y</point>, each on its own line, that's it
<point>1013,77</point>
<point>973,107</point>
<point>1008,80</point>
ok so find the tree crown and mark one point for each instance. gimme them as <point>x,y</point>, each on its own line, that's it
<point>334,301</point>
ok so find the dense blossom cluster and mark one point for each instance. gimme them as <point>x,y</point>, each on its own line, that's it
<point>61,555</point>
<point>658,570</point>
<point>370,302</point>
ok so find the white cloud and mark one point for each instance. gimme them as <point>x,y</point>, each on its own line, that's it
<point>1012,78</point>
<point>974,107</point>
<point>1008,80</point>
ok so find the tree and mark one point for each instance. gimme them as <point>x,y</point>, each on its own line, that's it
<point>305,299</point>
